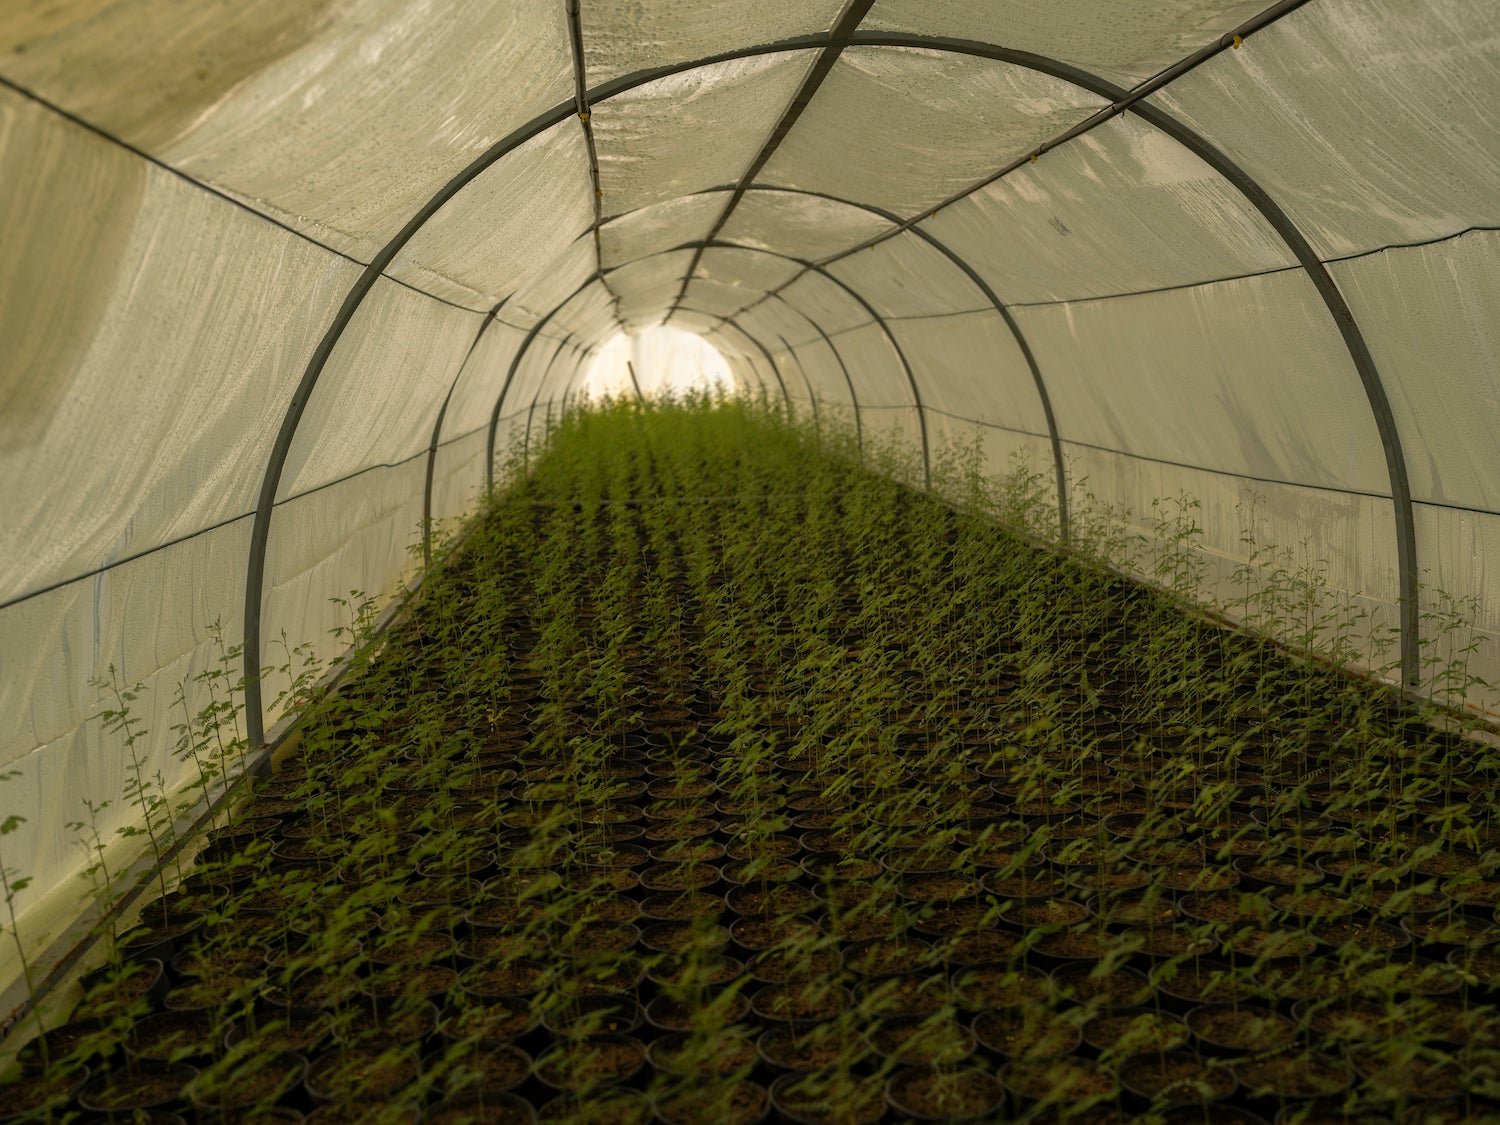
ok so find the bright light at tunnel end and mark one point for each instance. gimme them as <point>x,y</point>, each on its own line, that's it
<point>665,360</point>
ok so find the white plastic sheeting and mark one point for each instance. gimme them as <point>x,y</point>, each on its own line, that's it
<point>181,237</point>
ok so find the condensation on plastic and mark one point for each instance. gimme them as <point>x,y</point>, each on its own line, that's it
<point>750,269</point>
<point>800,225</point>
<point>905,276</point>
<point>969,366</point>
<point>506,226</point>
<point>1429,315</point>
<point>875,366</point>
<point>150,336</point>
<point>1121,209</point>
<point>1125,40</point>
<point>1372,122</point>
<point>1454,547</point>
<point>647,286</point>
<point>149,618</point>
<point>380,392</point>
<point>826,302</point>
<point>695,130</point>
<point>624,38</point>
<point>904,129</point>
<point>661,226</point>
<point>479,384</point>
<point>339,121</point>
<point>1248,377</point>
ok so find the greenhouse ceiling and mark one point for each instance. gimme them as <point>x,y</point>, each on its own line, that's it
<point>285,281</point>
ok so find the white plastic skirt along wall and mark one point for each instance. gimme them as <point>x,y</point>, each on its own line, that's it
<point>287,285</point>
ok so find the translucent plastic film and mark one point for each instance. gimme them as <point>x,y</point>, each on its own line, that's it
<point>801,225</point>
<point>906,276</point>
<point>340,119</point>
<point>623,38</point>
<point>969,366</point>
<point>507,226</point>
<point>150,336</point>
<point>692,131</point>
<point>1125,40</point>
<point>1428,314</point>
<point>1121,209</point>
<point>905,129</point>
<point>380,393</point>
<point>1370,121</point>
<point>1248,377</point>
<point>647,287</point>
<point>658,227</point>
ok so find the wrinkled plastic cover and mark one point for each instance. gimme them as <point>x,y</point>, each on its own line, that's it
<point>1124,40</point>
<point>904,129</point>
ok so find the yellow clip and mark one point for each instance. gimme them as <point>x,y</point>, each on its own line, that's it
<point>584,116</point>
<point>1033,158</point>
<point>599,192</point>
<point>1237,41</point>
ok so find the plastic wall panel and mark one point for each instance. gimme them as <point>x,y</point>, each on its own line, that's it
<point>150,336</point>
<point>458,478</point>
<point>1247,377</point>
<point>748,268</point>
<point>1462,594</point>
<point>1121,209</point>
<point>510,434</point>
<point>1346,543</point>
<point>474,393</point>
<point>622,38</point>
<point>543,356</point>
<point>149,617</point>
<point>557,282</point>
<point>800,225</point>
<point>874,366</point>
<point>506,226</point>
<point>896,431</point>
<point>648,286</point>
<point>970,366</point>
<point>1428,313</point>
<point>1370,121</point>
<point>751,372</point>
<point>380,393</point>
<point>1001,451</point>
<point>340,121</point>
<point>695,130</point>
<point>904,129</point>
<point>1126,40</point>
<point>826,302</point>
<point>358,534</point>
<point>904,276</point>
<point>661,226</point>
<point>822,369</point>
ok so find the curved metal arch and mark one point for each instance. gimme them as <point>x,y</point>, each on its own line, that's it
<point>859,427</point>
<point>806,382</point>
<point>567,342</point>
<point>1338,308</point>
<point>1053,435</point>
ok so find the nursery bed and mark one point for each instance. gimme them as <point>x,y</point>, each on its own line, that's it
<point>822,801</point>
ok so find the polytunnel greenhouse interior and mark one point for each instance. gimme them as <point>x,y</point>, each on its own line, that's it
<point>800,561</point>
